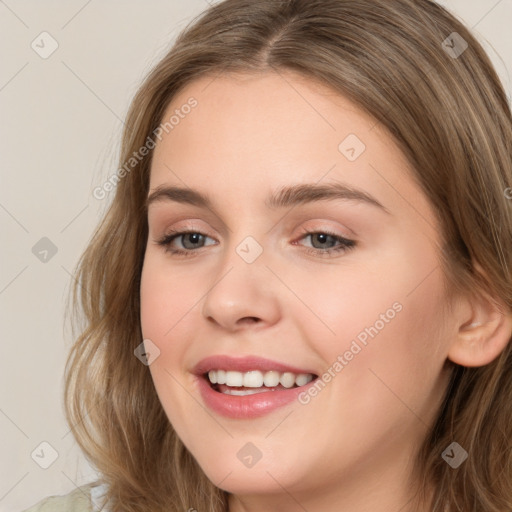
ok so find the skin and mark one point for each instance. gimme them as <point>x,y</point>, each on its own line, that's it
<point>350,448</point>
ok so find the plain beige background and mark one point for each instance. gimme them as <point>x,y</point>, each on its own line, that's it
<point>61,123</point>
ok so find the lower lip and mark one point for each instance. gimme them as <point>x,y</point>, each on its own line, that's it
<point>248,406</point>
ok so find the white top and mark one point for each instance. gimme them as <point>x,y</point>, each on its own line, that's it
<point>82,499</point>
<point>97,497</point>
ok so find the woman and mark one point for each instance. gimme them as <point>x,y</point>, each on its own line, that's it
<point>261,369</point>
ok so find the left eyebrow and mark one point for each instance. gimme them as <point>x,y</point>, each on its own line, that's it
<point>311,192</point>
<point>284,197</point>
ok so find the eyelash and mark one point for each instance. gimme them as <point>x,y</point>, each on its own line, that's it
<point>345,243</point>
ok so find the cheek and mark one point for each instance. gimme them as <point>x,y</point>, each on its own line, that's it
<point>167,297</point>
<point>389,332</point>
<point>386,316</point>
<point>166,313</point>
<point>168,303</point>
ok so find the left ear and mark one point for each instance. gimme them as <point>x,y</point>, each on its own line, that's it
<point>484,335</point>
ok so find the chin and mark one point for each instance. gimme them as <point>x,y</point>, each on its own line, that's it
<point>232,476</point>
<point>244,483</point>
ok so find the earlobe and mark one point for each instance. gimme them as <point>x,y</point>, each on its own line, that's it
<point>483,337</point>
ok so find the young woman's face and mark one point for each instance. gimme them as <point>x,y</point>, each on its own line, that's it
<point>367,318</point>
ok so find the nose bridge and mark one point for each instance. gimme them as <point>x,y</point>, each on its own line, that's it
<point>243,267</point>
<point>247,237</point>
<point>250,249</point>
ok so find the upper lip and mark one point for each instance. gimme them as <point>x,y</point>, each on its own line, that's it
<point>244,364</point>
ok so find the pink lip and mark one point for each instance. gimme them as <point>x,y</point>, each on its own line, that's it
<point>248,406</point>
<point>244,364</point>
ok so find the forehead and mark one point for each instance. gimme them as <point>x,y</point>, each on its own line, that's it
<point>259,115</point>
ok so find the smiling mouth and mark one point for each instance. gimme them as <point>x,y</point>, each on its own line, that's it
<point>254,382</point>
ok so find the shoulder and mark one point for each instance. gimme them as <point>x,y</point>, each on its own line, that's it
<point>86,498</point>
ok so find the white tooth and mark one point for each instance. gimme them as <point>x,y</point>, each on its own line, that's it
<point>253,379</point>
<point>242,392</point>
<point>287,379</point>
<point>257,379</point>
<point>271,379</point>
<point>303,378</point>
<point>234,378</point>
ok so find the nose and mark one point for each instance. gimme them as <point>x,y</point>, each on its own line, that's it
<point>243,295</point>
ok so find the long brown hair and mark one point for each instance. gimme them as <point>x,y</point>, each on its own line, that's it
<point>446,108</point>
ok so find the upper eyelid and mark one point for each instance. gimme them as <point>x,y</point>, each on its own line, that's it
<point>189,225</point>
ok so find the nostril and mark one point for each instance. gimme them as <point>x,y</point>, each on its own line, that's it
<point>249,320</point>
